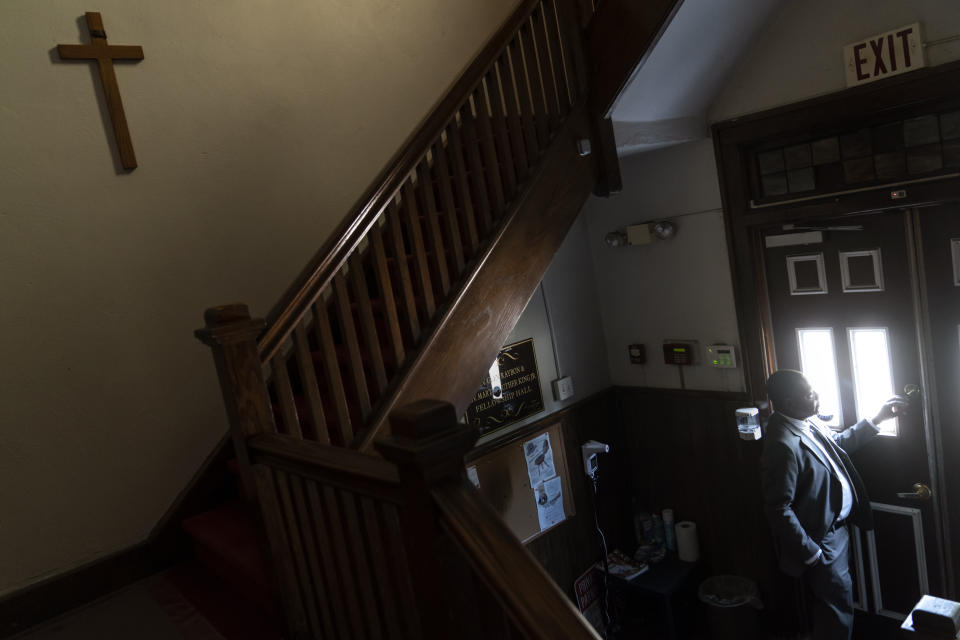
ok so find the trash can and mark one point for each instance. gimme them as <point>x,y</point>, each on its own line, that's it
<point>732,605</point>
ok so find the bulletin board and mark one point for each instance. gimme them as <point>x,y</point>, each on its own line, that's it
<point>505,483</point>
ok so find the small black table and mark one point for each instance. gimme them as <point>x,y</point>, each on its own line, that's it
<point>663,580</point>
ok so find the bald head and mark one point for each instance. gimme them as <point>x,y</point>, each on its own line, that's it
<point>792,394</point>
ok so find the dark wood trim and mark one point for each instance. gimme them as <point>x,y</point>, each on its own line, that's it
<point>924,91</point>
<point>620,37</point>
<point>609,179</point>
<point>733,396</point>
<point>506,567</point>
<point>55,596</point>
<point>332,460</point>
<point>538,425</point>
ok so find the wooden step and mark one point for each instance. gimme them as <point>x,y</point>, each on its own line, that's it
<point>217,602</point>
<point>227,543</point>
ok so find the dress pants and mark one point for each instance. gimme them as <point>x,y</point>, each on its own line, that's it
<point>832,586</point>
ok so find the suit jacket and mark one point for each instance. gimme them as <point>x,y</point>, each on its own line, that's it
<point>802,495</point>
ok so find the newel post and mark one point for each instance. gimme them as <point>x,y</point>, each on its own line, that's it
<point>427,444</point>
<point>232,337</point>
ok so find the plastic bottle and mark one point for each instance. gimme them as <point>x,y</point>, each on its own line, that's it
<point>659,535</point>
<point>669,534</point>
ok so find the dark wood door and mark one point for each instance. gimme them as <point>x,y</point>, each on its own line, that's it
<point>846,310</point>
<point>938,231</point>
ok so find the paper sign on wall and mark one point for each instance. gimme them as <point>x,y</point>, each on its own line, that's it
<point>550,503</point>
<point>546,485</point>
<point>539,457</point>
<point>474,476</point>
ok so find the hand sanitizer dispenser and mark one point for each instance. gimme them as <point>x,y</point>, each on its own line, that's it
<point>748,423</point>
<point>590,449</point>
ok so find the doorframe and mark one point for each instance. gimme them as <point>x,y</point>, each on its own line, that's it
<point>917,93</point>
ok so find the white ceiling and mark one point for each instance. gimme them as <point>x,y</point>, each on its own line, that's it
<point>666,101</point>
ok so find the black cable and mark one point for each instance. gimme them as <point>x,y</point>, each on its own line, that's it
<point>608,621</point>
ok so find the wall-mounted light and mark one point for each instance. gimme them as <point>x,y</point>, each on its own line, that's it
<point>641,233</point>
<point>663,229</point>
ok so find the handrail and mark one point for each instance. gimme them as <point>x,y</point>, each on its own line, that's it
<point>506,567</point>
<point>321,269</point>
<point>332,460</point>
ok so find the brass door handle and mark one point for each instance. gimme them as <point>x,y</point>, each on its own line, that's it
<point>920,492</point>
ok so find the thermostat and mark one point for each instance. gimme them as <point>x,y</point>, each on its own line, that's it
<point>722,356</point>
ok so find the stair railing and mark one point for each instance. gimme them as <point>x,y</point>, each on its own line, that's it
<point>340,339</point>
<point>400,546</point>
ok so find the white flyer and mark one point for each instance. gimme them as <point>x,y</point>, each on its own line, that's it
<point>474,477</point>
<point>550,502</point>
<point>539,455</point>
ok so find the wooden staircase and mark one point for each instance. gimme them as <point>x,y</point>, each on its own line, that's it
<point>411,298</point>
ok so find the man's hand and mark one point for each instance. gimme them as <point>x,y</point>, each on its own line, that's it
<point>895,406</point>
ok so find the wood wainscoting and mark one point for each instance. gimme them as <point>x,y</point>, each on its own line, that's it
<point>675,449</point>
<point>686,454</point>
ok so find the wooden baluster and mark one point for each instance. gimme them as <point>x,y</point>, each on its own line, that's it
<point>491,161</point>
<point>387,590</point>
<point>386,293</point>
<point>409,204</point>
<point>479,183</point>
<point>310,539</point>
<point>400,258</point>
<point>284,564</point>
<point>281,386</point>
<point>340,549</point>
<point>441,169</point>
<point>499,122</point>
<point>349,334</point>
<point>462,185</point>
<point>400,570</point>
<point>541,114</point>
<point>571,38</point>
<point>562,71</point>
<point>331,367</point>
<point>361,565</point>
<point>425,187</point>
<point>232,337</point>
<point>427,444</point>
<point>294,541</point>
<point>321,528</point>
<point>546,68</point>
<point>368,324</point>
<point>585,10</point>
<point>512,110</point>
<point>308,378</point>
<point>523,96</point>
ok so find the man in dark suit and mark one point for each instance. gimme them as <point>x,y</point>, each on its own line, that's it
<point>811,490</point>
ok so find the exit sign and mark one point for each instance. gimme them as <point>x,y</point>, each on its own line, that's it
<point>884,55</point>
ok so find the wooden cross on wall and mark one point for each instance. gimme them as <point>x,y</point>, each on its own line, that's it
<point>105,54</point>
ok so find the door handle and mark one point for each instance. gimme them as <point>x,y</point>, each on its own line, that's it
<point>920,492</point>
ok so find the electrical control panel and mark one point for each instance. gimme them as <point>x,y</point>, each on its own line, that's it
<point>638,353</point>
<point>680,353</point>
<point>722,356</point>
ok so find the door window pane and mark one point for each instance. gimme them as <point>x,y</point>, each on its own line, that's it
<point>819,364</point>
<point>872,373</point>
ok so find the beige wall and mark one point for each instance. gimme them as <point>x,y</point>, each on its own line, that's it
<point>799,55</point>
<point>256,126</point>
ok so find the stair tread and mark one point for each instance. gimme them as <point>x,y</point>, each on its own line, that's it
<point>216,601</point>
<point>229,533</point>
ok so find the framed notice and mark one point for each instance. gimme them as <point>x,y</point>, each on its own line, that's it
<point>518,395</point>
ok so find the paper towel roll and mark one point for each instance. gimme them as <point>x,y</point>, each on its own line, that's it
<point>687,547</point>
